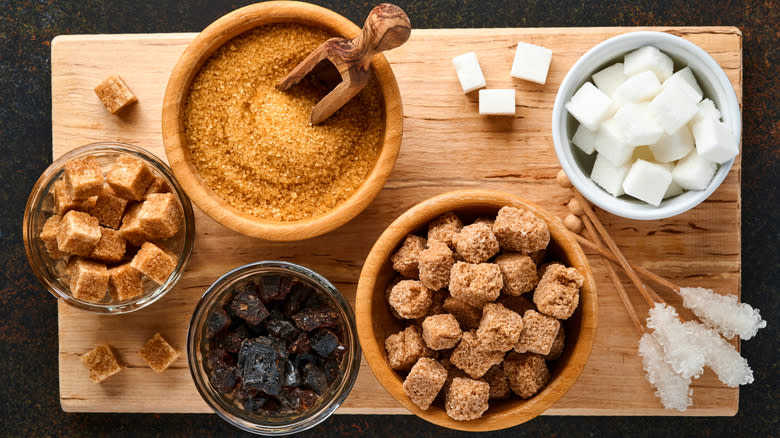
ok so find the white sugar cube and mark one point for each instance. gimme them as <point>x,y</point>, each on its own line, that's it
<point>611,143</point>
<point>638,125</point>
<point>685,75</point>
<point>585,139</point>
<point>647,181</point>
<point>609,176</point>
<point>531,63</point>
<point>469,72</point>
<point>706,110</point>
<point>642,86</point>
<point>694,172</point>
<point>672,147</point>
<point>497,102</point>
<point>675,106</point>
<point>610,78</point>
<point>714,141</point>
<point>674,189</point>
<point>589,106</point>
<point>648,58</point>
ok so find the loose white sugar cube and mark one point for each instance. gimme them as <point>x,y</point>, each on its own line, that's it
<point>647,181</point>
<point>497,102</point>
<point>648,58</point>
<point>642,86</point>
<point>675,106</point>
<point>674,189</point>
<point>672,147</point>
<point>469,72</point>
<point>638,125</point>
<point>609,79</point>
<point>706,110</point>
<point>694,172</point>
<point>714,141</point>
<point>685,75</point>
<point>611,143</point>
<point>589,106</point>
<point>609,176</point>
<point>531,63</point>
<point>584,139</point>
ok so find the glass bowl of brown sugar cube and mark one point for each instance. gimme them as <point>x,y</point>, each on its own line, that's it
<point>108,229</point>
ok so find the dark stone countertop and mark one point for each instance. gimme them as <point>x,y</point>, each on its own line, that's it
<point>29,404</point>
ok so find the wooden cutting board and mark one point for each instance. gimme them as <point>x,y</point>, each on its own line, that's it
<point>446,146</point>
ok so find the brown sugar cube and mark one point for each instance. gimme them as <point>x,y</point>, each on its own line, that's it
<point>485,221</point>
<point>406,259</point>
<point>388,289</point>
<point>129,177</point>
<point>160,215</point>
<point>83,177</point>
<point>538,334</point>
<point>527,373</point>
<point>499,383</point>
<point>441,332</point>
<point>410,299</point>
<point>101,363</point>
<point>132,229</point>
<point>468,316</point>
<point>158,353</point>
<point>155,262</point>
<point>125,282</point>
<point>405,348</point>
<point>49,236</point>
<point>518,304</point>
<point>424,382</point>
<point>64,202</point>
<point>111,246</point>
<point>467,399</point>
<point>115,94</point>
<point>78,233</point>
<point>557,347</point>
<point>452,372</point>
<point>475,284</point>
<point>499,328</point>
<point>108,208</point>
<point>521,231</point>
<point>558,292</point>
<point>476,243</point>
<point>88,280</point>
<point>444,228</point>
<point>158,185</point>
<point>435,263</point>
<point>472,357</point>
<point>518,272</point>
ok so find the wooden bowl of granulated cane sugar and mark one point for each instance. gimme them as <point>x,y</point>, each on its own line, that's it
<point>245,152</point>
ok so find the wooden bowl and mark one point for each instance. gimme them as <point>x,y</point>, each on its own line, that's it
<point>199,51</point>
<point>375,323</point>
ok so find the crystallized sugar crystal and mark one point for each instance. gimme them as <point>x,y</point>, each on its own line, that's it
<point>682,348</point>
<point>673,390</point>
<point>723,312</point>
<point>731,368</point>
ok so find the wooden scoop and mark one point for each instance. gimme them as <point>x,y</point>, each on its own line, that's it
<point>386,27</point>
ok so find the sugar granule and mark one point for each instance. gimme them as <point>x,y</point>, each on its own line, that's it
<point>684,353</point>
<point>723,312</point>
<point>673,390</point>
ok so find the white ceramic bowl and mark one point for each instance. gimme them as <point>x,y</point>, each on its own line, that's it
<point>577,164</point>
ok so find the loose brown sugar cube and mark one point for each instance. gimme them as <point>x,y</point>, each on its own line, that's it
<point>499,383</point>
<point>441,332</point>
<point>518,304</point>
<point>435,263</point>
<point>155,262</point>
<point>476,243</point>
<point>405,348</point>
<point>518,272</point>
<point>125,282</point>
<point>558,292</point>
<point>83,177</point>
<point>406,259</point>
<point>424,382</point>
<point>557,347</point>
<point>468,316</point>
<point>88,280</point>
<point>472,357</point>
<point>410,299</point>
<point>485,221</point>
<point>132,229</point>
<point>114,93</point>
<point>467,399</point>
<point>538,334</point>
<point>101,363</point>
<point>111,246</point>
<point>444,228</point>
<point>129,177</point>
<point>521,231</point>
<point>158,185</point>
<point>527,373</point>
<point>475,284</point>
<point>108,208</point>
<point>78,233</point>
<point>160,216</point>
<point>64,202</point>
<point>158,353</point>
<point>49,236</point>
<point>499,328</point>
<point>388,289</point>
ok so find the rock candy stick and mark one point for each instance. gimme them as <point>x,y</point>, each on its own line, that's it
<point>686,355</point>
<point>722,312</point>
<point>673,390</point>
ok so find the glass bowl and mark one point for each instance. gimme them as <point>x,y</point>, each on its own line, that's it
<point>40,206</point>
<point>217,295</point>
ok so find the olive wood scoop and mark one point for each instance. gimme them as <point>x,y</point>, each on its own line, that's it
<point>387,27</point>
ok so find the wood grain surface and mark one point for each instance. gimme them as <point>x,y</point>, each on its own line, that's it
<point>446,146</point>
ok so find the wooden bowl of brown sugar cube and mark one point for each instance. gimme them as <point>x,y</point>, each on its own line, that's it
<point>476,310</point>
<point>245,151</point>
